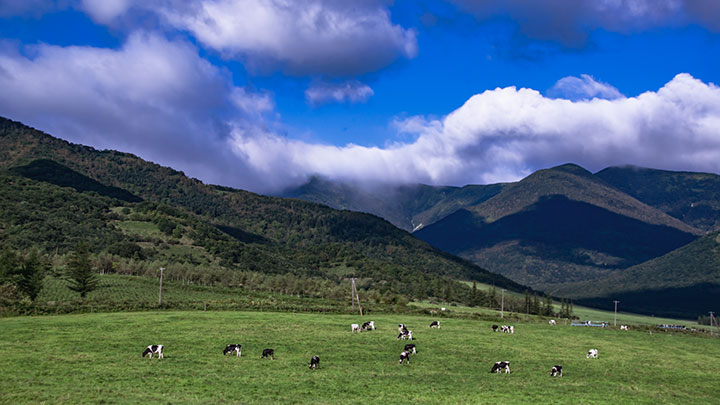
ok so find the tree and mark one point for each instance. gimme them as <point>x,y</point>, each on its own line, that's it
<point>32,275</point>
<point>80,272</point>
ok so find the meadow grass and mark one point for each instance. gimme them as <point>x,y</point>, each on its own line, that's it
<point>95,358</point>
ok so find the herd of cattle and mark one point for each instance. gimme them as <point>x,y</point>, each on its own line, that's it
<point>403,333</point>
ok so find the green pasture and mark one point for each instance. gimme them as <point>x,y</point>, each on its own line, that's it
<point>95,358</point>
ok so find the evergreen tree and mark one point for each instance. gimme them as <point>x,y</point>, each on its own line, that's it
<point>32,275</point>
<point>9,266</point>
<point>80,272</point>
<point>535,307</point>
<point>548,309</point>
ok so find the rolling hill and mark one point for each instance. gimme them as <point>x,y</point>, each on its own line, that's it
<point>56,193</point>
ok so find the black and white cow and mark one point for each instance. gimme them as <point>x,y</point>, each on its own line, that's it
<point>592,354</point>
<point>495,328</point>
<point>268,353</point>
<point>405,357</point>
<point>435,324</point>
<point>552,322</point>
<point>624,327</point>
<point>407,335</point>
<point>410,348</point>
<point>355,328</point>
<point>556,371</point>
<point>499,366</point>
<point>368,325</point>
<point>314,362</point>
<point>402,329</point>
<point>237,349</point>
<point>154,349</point>
<point>507,329</point>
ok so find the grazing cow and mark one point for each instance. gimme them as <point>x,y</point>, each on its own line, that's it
<point>624,327</point>
<point>495,328</point>
<point>435,324</point>
<point>233,348</point>
<point>556,371</point>
<point>592,354</point>
<point>551,322</point>
<point>355,328</point>
<point>499,366</point>
<point>368,325</point>
<point>154,349</point>
<point>408,335</point>
<point>410,348</point>
<point>314,362</point>
<point>268,353</point>
<point>402,329</point>
<point>405,357</point>
<point>507,329</point>
<point>512,329</point>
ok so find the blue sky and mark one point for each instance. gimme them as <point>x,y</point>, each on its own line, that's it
<point>263,94</point>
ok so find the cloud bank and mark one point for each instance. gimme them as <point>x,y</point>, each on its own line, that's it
<point>159,99</point>
<point>505,134</point>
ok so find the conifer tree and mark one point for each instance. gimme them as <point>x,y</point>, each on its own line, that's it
<point>80,272</point>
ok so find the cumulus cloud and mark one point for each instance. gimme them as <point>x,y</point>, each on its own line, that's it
<point>569,22</point>
<point>347,92</point>
<point>314,37</point>
<point>583,87</point>
<point>153,97</point>
<point>505,134</point>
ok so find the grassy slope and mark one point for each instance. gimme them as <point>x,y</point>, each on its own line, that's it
<point>691,197</point>
<point>95,358</point>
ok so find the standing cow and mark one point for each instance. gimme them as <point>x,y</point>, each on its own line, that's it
<point>154,349</point>
<point>314,362</point>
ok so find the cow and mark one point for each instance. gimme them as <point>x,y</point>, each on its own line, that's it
<point>368,326</point>
<point>355,328</point>
<point>551,322</point>
<point>495,328</point>
<point>512,329</point>
<point>507,329</point>
<point>408,335</point>
<point>435,324</point>
<point>624,327</point>
<point>556,371</point>
<point>154,349</point>
<point>410,348</point>
<point>314,362</point>
<point>233,348</point>
<point>499,366</point>
<point>405,357</point>
<point>268,353</point>
<point>402,329</point>
<point>592,354</point>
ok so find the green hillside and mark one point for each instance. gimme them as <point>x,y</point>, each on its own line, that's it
<point>56,194</point>
<point>693,198</point>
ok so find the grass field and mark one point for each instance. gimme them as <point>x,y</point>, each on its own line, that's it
<point>95,358</point>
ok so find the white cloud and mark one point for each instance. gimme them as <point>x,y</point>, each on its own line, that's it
<point>504,134</point>
<point>347,92</point>
<point>314,37</point>
<point>104,11</point>
<point>583,87</point>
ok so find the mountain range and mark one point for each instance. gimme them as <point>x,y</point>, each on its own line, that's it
<point>565,230</point>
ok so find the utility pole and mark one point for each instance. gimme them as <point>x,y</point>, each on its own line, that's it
<point>712,318</point>
<point>615,319</point>
<point>355,297</point>
<point>502,304</point>
<point>160,292</point>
